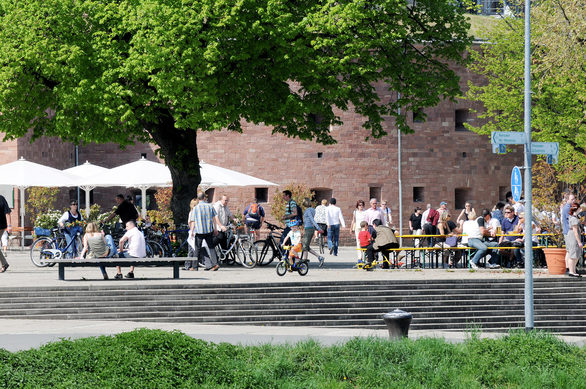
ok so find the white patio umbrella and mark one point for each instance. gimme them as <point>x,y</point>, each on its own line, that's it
<point>23,174</point>
<point>144,174</point>
<point>81,172</point>
<point>230,177</point>
<point>141,174</point>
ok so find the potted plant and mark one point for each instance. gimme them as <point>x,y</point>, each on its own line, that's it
<point>547,200</point>
<point>45,222</point>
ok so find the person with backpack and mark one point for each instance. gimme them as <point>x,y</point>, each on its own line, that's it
<point>292,212</point>
<point>254,215</point>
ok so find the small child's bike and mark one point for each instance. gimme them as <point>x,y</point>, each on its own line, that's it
<point>299,265</point>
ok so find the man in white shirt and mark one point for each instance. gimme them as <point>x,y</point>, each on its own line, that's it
<point>334,219</point>
<point>475,229</point>
<point>136,247</point>
<point>373,213</point>
<point>224,217</point>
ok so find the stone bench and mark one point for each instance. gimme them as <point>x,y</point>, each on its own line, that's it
<point>175,262</point>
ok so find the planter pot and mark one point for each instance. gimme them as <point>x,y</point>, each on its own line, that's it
<point>556,260</point>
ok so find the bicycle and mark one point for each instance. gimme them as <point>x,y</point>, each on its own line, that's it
<point>269,248</point>
<point>47,248</point>
<point>240,247</point>
<point>173,243</point>
<point>299,265</point>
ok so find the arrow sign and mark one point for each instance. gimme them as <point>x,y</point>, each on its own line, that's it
<point>545,148</point>
<point>516,183</point>
<point>507,138</point>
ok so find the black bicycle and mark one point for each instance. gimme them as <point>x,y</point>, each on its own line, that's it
<point>269,248</point>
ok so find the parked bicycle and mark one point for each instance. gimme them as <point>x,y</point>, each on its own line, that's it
<point>239,248</point>
<point>48,248</point>
<point>269,248</point>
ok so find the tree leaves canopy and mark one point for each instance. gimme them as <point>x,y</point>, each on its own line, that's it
<point>558,80</point>
<point>100,71</point>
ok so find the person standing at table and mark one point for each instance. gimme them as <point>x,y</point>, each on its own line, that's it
<point>4,225</point>
<point>70,224</point>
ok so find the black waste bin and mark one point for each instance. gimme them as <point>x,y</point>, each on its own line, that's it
<point>398,322</point>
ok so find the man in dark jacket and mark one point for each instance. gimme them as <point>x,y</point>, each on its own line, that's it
<point>4,225</point>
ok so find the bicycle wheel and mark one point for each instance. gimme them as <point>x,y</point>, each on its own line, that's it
<point>265,252</point>
<point>282,268</point>
<point>302,268</point>
<point>37,257</point>
<point>246,253</point>
<point>154,250</point>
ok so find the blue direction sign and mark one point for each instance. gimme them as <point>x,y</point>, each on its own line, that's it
<point>507,138</point>
<point>516,183</point>
<point>551,149</point>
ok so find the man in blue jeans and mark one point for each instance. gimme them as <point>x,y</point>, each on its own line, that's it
<point>334,219</point>
<point>476,229</point>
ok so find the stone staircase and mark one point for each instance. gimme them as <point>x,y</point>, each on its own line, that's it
<point>488,305</point>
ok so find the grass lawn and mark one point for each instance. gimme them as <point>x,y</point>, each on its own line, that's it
<point>158,359</point>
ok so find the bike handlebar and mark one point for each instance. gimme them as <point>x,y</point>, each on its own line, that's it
<point>272,227</point>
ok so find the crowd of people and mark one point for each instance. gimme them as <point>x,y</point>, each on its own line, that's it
<point>497,233</point>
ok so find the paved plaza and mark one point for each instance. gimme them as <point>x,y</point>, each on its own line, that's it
<point>24,334</point>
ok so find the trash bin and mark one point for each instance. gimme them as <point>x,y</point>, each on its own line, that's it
<point>398,322</point>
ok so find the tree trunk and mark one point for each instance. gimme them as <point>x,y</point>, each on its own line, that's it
<point>179,150</point>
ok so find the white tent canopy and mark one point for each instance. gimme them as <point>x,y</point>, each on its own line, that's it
<point>23,174</point>
<point>80,172</point>
<point>144,174</point>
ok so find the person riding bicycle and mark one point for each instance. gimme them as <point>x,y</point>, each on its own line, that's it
<point>294,237</point>
<point>254,215</point>
<point>70,222</point>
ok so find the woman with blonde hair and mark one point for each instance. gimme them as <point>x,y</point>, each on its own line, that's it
<point>97,245</point>
<point>191,264</point>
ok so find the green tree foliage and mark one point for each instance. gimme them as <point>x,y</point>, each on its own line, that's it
<point>299,192</point>
<point>558,75</point>
<point>40,200</point>
<point>160,70</point>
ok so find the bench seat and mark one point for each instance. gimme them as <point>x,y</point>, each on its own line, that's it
<point>174,262</point>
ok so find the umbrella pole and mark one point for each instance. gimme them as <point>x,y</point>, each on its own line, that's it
<point>143,210</point>
<point>87,202</point>
<point>22,189</point>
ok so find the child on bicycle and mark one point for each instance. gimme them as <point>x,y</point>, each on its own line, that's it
<point>294,237</point>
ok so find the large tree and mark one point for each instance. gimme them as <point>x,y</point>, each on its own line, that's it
<point>559,80</point>
<point>161,70</point>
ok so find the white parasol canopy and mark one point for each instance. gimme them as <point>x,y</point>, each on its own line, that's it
<point>144,174</point>
<point>81,172</point>
<point>23,174</point>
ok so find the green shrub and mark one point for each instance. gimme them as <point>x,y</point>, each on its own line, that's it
<point>158,359</point>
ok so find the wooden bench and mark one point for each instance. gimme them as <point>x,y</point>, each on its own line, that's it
<point>176,263</point>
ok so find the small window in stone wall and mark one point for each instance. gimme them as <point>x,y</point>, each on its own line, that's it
<point>320,194</point>
<point>503,193</point>
<point>261,195</point>
<point>418,194</point>
<point>375,192</point>
<point>461,195</point>
<point>418,116</point>
<point>462,116</point>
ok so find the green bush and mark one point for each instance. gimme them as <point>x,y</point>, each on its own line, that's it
<point>158,359</point>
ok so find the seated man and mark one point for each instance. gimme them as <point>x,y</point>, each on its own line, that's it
<point>136,247</point>
<point>383,241</point>
<point>509,226</point>
<point>475,230</point>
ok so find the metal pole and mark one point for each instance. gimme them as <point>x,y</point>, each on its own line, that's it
<point>399,177</point>
<point>529,324</point>
<point>76,164</point>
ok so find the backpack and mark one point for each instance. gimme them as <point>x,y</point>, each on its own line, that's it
<point>299,214</point>
<point>254,211</point>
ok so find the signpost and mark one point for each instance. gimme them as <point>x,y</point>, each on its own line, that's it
<point>516,183</point>
<point>501,138</point>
